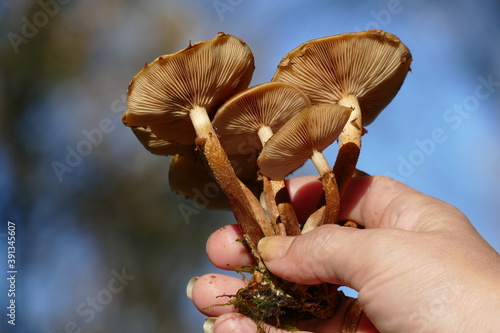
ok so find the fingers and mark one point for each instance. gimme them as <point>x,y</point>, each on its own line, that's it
<point>214,289</point>
<point>372,201</point>
<point>325,254</point>
<point>367,199</point>
<point>351,257</point>
<point>376,202</point>
<point>224,247</point>
<point>382,202</point>
<point>207,291</point>
<point>305,194</point>
<point>235,322</point>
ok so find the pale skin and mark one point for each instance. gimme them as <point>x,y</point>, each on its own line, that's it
<point>419,266</point>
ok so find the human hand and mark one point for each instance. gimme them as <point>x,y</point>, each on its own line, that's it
<point>419,266</point>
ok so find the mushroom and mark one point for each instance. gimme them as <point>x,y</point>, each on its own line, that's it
<point>362,70</point>
<point>157,146</point>
<point>253,115</point>
<point>246,121</point>
<point>189,176</point>
<point>177,94</point>
<point>244,165</point>
<point>304,137</point>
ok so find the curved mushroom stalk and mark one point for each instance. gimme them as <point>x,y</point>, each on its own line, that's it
<point>363,70</point>
<point>250,216</point>
<point>247,121</point>
<point>304,137</point>
<point>177,94</point>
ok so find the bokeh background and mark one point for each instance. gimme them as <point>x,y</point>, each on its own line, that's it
<point>64,69</point>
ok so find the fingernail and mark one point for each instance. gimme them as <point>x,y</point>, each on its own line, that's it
<point>274,247</point>
<point>209,325</point>
<point>189,288</point>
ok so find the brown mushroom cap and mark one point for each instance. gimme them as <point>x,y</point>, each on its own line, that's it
<point>370,65</point>
<point>250,117</point>
<point>204,74</point>
<point>158,146</point>
<point>311,131</point>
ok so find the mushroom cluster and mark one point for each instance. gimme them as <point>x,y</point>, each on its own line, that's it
<point>195,105</point>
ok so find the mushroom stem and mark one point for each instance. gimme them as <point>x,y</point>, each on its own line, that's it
<point>250,216</point>
<point>201,122</point>
<point>280,208</point>
<point>264,133</point>
<point>277,199</point>
<point>332,201</point>
<point>320,162</point>
<point>350,144</point>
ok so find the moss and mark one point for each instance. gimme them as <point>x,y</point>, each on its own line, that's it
<point>280,303</point>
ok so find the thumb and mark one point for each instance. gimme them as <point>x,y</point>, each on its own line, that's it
<point>329,253</point>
